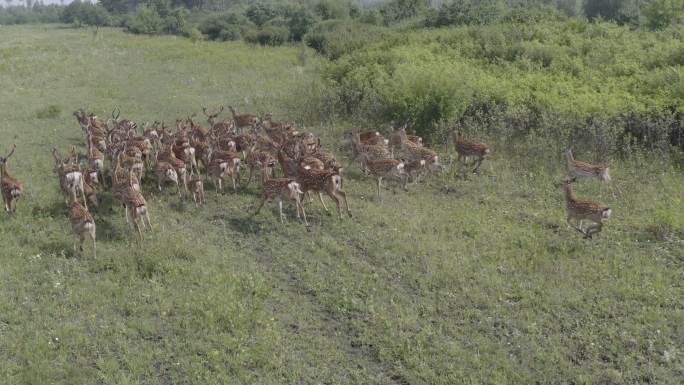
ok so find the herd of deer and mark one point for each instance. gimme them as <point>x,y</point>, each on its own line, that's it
<point>179,157</point>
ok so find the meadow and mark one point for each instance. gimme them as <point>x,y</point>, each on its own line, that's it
<point>461,280</point>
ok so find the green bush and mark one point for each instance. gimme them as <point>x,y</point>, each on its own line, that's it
<point>597,84</point>
<point>37,14</point>
<point>145,20</point>
<point>335,38</point>
<point>269,35</point>
<point>84,13</point>
<point>224,26</point>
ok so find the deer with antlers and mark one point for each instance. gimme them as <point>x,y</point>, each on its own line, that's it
<point>82,222</point>
<point>11,188</point>
<point>581,210</point>
<point>281,189</point>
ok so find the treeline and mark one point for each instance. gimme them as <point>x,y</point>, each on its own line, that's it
<point>271,22</point>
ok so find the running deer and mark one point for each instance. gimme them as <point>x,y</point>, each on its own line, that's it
<point>82,222</point>
<point>11,188</point>
<point>577,168</point>
<point>386,168</point>
<point>580,210</point>
<point>328,181</point>
<point>166,173</point>
<point>467,149</point>
<point>70,175</point>
<point>197,189</point>
<point>280,189</point>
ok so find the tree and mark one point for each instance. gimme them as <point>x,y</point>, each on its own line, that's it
<point>661,13</point>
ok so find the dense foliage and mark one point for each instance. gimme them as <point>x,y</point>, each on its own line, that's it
<point>569,81</point>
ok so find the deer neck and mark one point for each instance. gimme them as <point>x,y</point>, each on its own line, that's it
<point>3,170</point>
<point>569,195</point>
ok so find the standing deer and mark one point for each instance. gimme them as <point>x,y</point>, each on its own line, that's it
<point>197,189</point>
<point>242,121</point>
<point>11,188</point>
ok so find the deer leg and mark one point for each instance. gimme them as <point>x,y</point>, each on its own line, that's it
<point>379,183</point>
<point>346,204</point>
<point>147,218</point>
<point>334,197</point>
<point>280,209</point>
<point>264,198</point>
<point>320,198</point>
<point>301,207</point>
<point>477,167</point>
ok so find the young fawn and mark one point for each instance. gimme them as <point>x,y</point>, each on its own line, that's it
<point>82,222</point>
<point>280,189</point>
<point>580,210</point>
<point>11,188</point>
<point>467,149</point>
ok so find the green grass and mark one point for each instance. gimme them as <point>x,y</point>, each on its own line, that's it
<point>457,281</point>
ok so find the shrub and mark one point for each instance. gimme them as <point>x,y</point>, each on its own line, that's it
<point>224,26</point>
<point>145,20</point>
<point>269,35</point>
<point>335,38</point>
<point>78,13</point>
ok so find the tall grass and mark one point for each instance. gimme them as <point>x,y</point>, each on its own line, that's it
<point>460,280</point>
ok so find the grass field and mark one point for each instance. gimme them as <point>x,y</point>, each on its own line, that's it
<point>458,281</point>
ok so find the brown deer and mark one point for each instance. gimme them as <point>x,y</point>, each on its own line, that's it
<point>243,121</point>
<point>11,188</point>
<point>197,189</point>
<point>577,168</point>
<point>166,173</point>
<point>328,181</point>
<point>467,149</point>
<point>256,160</point>
<point>70,175</point>
<point>580,210</point>
<point>281,189</point>
<point>82,222</point>
<point>386,168</point>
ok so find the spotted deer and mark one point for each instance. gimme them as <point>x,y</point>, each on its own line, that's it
<point>11,188</point>
<point>577,168</point>
<point>327,181</point>
<point>281,189</point>
<point>243,121</point>
<point>470,149</point>
<point>386,168</point>
<point>580,210</point>
<point>82,222</point>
